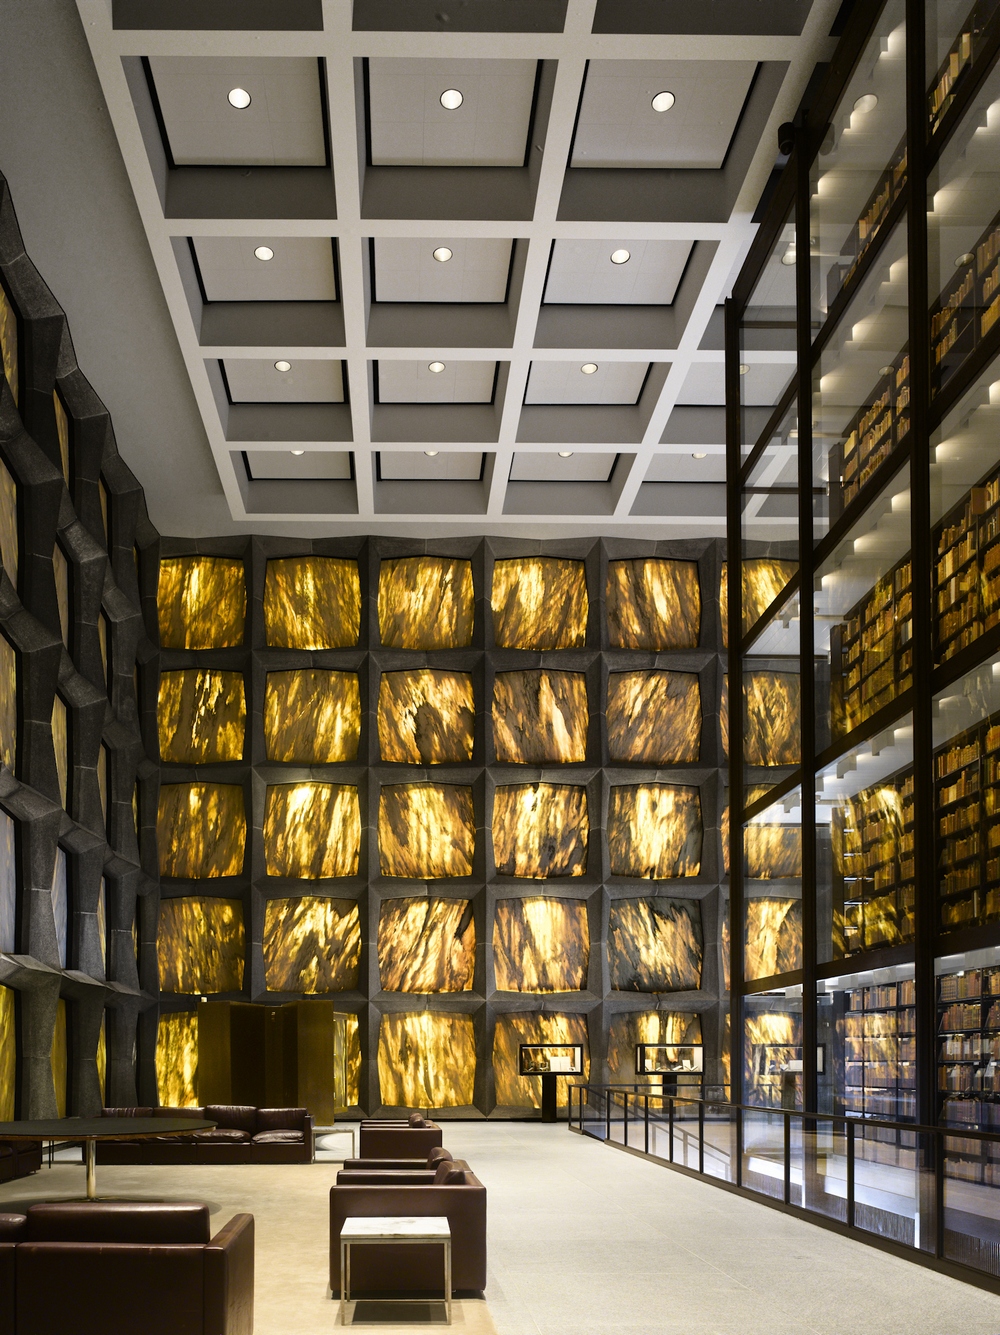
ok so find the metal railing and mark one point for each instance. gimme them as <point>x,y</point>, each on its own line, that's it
<point>931,1194</point>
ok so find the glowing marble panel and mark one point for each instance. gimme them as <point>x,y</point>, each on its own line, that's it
<point>8,703</point>
<point>774,937</point>
<point>201,830</point>
<point>426,945</point>
<point>177,1059</point>
<point>426,602</point>
<point>60,573</point>
<point>60,745</point>
<point>653,604</point>
<point>426,830</point>
<point>655,831</point>
<point>312,602</point>
<point>540,830</point>
<point>539,602</point>
<point>655,945</point>
<point>540,717</point>
<point>311,944</point>
<point>8,524</point>
<point>426,717</point>
<point>201,716</point>
<point>200,945</point>
<point>8,884</point>
<point>654,718</point>
<point>772,702</point>
<point>202,602</point>
<point>60,904</point>
<point>9,344</point>
<point>525,1091</point>
<point>58,1058</point>
<point>353,1062</point>
<point>426,1060</point>
<point>771,852</point>
<point>541,945</point>
<point>764,577</point>
<point>726,949</point>
<point>675,1029</point>
<point>312,830</point>
<point>768,1040</point>
<point>62,431</point>
<point>312,716</point>
<point>102,1061</point>
<point>8,1054</point>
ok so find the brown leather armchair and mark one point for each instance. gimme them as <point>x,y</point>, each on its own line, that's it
<point>413,1139</point>
<point>125,1268</point>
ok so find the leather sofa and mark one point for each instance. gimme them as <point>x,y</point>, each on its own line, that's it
<point>125,1268</point>
<point>18,1158</point>
<point>242,1135</point>
<point>410,1139</point>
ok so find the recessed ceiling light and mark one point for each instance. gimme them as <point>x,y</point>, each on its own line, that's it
<point>866,102</point>
<point>435,367</point>
<point>588,368</point>
<point>886,370</point>
<point>443,254</point>
<point>963,260</point>
<point>282,366</point>
<point>264,253</point>
<point>744,368</point>
<point>239,98</point>
<point>789,255</point>
<point>663,101</point>
<point>297,451</point>
<point>699,456</point>
<point>620,256</point>
<point>565,454</point>
<point>451,99</point>
<point>431,454</point>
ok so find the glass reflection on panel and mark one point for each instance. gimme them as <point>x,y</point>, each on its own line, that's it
<point>772,1055</point>
<point>866,1026</point>
<point>968,1055</point>
<point>767,338</point>
<point>958,36</point>
<point>772,871</point>
<point>772,708</point>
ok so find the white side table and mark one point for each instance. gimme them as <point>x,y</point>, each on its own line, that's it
<point>357,1231</point>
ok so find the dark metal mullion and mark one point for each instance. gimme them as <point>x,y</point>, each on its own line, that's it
<point>734,629</point>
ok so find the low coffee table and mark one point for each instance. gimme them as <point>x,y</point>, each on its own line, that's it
<point>392,1228</point>
<point>92,1129</point>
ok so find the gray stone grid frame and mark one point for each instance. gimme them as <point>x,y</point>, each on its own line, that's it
<point>598,888</point>
<point>103,583</point>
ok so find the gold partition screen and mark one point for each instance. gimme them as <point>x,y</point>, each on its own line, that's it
<point>772,703</point>
<point>201,830</point>
<point>8,703</point>
<point>312,716</point>
<point>426,717</point>
<point>58,1058</point>
<point>525,1091</point>
<point>674,1029</point>
<point>312,831</point>
<point>771,852</point>
<point>426,1060</point>
<point>201,716</point>
<point>59,725</point>
<point>8,1054</point>
<point>177,1059</point>
<point>312,602</point>
<point>426,830</point>
<point>200,945</point>
<point>8,345</point>
<point>540,717</point>
<point>541,945</point>
<point>540,830</point>
<point>655,831</point>
<point>539,602</point>
<point>655,945</point>
<point>426,945</point>
<point>201,602</point>
<point>653,604</point>
<point>8,524</point>
<point>426,602</point>
<point>311,944</point>
<point>654,717</point>
<point>764,577</point>
<point>774,937</point>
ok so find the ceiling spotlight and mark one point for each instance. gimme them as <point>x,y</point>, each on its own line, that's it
<point>435,367</point>
<point>663,101</point>
<point>239,98</point>
<point>296,451</point>
<point>443,254</point>
<point>699,456</point>
<point>588,368</point>
<point>866,102</point>
<point>962,260</point>
<point>620,256</point>
<point>565,454</point>
<point>431,454</point>
<point>744,368</point>
<point>263,253</point>
<point>886,370</point>
<point>451,99</point>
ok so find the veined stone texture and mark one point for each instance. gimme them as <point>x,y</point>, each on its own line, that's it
<point>312,716</point>
<point>654,717</point>
<point>201,716</point>
<point>426,1060</point>
<point>540,830</point>
<point>541,944</point>
<point>426,602</point>
<point>177,1059</point>
<point>8,1054</point>
<point>312,602</point>
<point>655,831</point>
<point>8,522</point>
<point>655,945</point>
<point>201,830</point>
<point>426,945</point>
<point>8,704</point>
<point>772,701</point>
<point>672,1029</point>
<point>764,577</point>
<point>311,944</point>
<point>312,831</point>
<point>426,831</point>
<point>540,717</point>
<point>514,1090</point>
<point>9,344</point>
<point>59,727</point>
<point>653,604</point>
<point>200,945</point>
<point>539,602</point>
<point>201,602</point>
<point>771,851</point>
<point>8,886</point>
<point>773,937</point>
<point>765,1037</point>
<point>426,717</point>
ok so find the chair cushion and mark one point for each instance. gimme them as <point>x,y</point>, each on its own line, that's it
<point>13,1227</point>
<point>232,1117</point>
<point>222,1135</point>
<point>281,1119</point>
<point>415,1119</point>
<point>195,1114</point>
<point>438,1155</point>
<point>278,1138</point>
<point>119,1221</point>
<point>447,1174</point>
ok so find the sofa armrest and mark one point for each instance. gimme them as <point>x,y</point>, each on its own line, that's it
<point>309,1134</point>
<point>378,1177</point>
<point>384,1165</point>
<point>229,1278</point>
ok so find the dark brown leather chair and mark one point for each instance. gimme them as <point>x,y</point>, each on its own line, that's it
<point>18,1158</point>
<point>413,1139</point>
<point>125,1268</point>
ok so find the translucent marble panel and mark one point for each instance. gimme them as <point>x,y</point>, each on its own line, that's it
<point>768,1040</point>
<point>8,884</point>
<point>675,1029</point>
<point>774,937</point>
<point>8,703</point>
<point>201,830</point>
<point>60,745</point>
<point>426,602</point>
<point>60,904</point>
<point>426,1060</point>
<point>654,718</point>
<point>540,830</point>
<point>655,830</point>
<point>312,716</point>
<point>541,945</point>
<point>426,831</point>
<point>102,1061</point>
<point>353,1062</point>
<point>202,602</point>
<point>60,572</point>
<point>653,604</point>
<point>772,851</point>
<point>9,343</point>
<point>525,1091</point>
<point>655,945</point>
<point>764,577</point>
<point>312,830</point>
<point>540,717</point>
<point>62,430</point>
<point>426,717</point>
<point>102,925</point>
<point>58,1058</point>
<point>200,945</point>
<point>311,944</point>
<point>312,602</point>
<point>102,781</point>
<point>201,716</point>
<point>539,602</point>
<point>8,1054</point>
<point>177,1059</point>
<point>772,718</point>
<point>8,524</point>
<point>426,945</point>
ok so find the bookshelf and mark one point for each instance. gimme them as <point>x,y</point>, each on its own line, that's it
<point>969,1068</point>
<point>967,309</point>
<point>872,837</point>
<point>871,652</point>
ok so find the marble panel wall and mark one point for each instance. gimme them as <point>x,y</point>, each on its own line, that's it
<point>60,572</point>
<point>773,937</point>
<point>426,944</point>
<point>8,704</point>
<point>539,602</point>
<point>426,717</point>
<point>62,433</point>
<point>312,716</point>
<point>541,945</point>
<point>201,830</point>
<point>654,717</point>
<point>8,524</point>
<point>312,831</point>
<point>201,715</point>
<point>60,746</point>
<point>653,604</point>
<point>312,602</point>
<point>540,830</point>
<point>772,703</point>
<point>764,577</point>
<point>426,1060</point>
<point>59,1058</point>
<point>9,344</point>
<point>525,1091</point>
<point>655,830</point>
<point>769,1041</point>
<point>540,716</point>
<point>8,885</point>
<point>311,944</point>
<point>177,1059</point>
<point>772,852</point>
<point>674,1029</point>
<point>655,945</point>
<point>60,904</point>
<point>200,945</point>
<point>426,602</point>
<point>202,602</point>
<point>426,831</point>
<point>8,1054</point>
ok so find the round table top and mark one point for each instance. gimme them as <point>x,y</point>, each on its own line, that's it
<point>97,1128</point>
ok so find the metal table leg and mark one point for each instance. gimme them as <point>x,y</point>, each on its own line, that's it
<point>345,1252</point>
<point>447,1275</point>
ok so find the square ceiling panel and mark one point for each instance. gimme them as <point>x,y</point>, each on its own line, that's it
<point>709,467</point>
<point>760,385</point>
<point>618,126</point>
<point>570,466</point>
<point>430,466</point>
<point>643,273</point>
<point>411,128</point>
<point>414,382</point>
<point>308,464</point>
<point>565,382</point>
<point>474,269</point>
<point>281,126</point>
<point>300,268</point>
<point>258,380</point>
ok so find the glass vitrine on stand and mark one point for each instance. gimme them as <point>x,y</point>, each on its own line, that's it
<point>550,1061</point>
